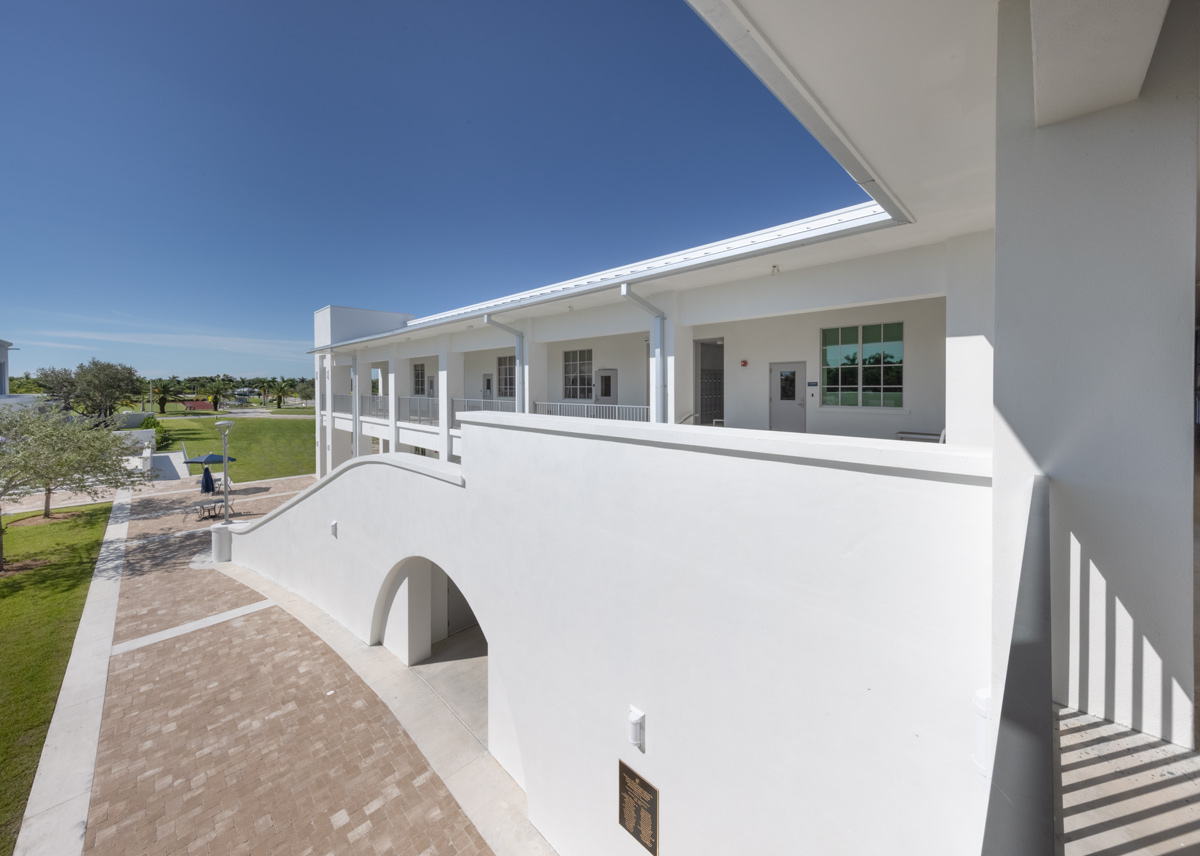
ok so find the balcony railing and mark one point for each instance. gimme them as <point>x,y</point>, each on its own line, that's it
<point>481,405</point>
<point>343,403</point>
<point>417,408</point>
<point>374,406</point>
<point>623,412</point>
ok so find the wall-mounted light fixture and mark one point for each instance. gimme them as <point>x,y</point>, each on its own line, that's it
<point>333,529</point>
<point>637,728</point>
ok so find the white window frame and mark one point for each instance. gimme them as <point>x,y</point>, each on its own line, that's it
<point>573,360</point>
<point>506,377</point>
<point>418,385</point>
<point>861,368</point>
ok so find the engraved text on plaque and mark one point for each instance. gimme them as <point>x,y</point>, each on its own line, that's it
<point>637,808</point>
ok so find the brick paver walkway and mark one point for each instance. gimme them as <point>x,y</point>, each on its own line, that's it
<point>250,736</point>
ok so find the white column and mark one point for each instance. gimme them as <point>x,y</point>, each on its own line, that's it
<point>680,359</point>
<point>408,624</point>
<point>537,372</point>
<point>970,328</point>
<point>354,406</point>
<point>1094,315</point>
<point>393,391</point>
<point>450,386</point>
<point>322,429</point>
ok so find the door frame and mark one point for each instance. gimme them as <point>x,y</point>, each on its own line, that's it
<point>801,392</point>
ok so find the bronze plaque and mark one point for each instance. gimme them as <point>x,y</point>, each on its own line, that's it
<point>637,807</point>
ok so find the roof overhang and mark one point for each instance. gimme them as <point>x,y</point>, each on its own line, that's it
<point>1090,54</point>
<point>856,220</point>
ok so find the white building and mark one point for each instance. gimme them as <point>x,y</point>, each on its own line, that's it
<point>678,485</point>
<point>4,348</point>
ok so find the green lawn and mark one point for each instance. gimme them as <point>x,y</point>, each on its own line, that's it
<point>288,410</point>
<point>39,611</point>
<point>264,448</point>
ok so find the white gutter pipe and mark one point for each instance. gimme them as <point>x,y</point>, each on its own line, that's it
<point>656,351</point>
<point>520,391</point>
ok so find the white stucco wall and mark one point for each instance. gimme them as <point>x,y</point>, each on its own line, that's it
<point>1095,255</point>
<point>478,363</point>
<point>702,575</point>
<point>798,337</point>
<point>626,354</point>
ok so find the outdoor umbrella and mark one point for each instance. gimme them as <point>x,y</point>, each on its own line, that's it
<point>205,460</point>
<point>210,458</point>
<point>206,482</point>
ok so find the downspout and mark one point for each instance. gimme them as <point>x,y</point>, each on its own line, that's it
<point>656,350</point>
<point>520,391</point>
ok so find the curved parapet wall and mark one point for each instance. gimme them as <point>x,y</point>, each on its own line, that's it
<point>804,620</point>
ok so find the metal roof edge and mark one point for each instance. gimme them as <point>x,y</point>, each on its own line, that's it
<point>866,216</point>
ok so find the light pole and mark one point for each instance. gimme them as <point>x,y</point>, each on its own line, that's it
<point>225,426</point>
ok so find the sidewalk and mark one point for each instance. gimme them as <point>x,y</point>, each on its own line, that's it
<point>228,726</point>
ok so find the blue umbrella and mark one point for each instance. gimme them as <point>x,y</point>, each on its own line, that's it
<point>210,458</point>
<point>207,485</point>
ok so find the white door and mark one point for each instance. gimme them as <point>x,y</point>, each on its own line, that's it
<point>606,386</point>
<point>487,387</point>
<point>788,382</point>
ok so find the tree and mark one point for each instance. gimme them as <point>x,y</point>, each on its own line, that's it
<point>101,386</point>
<point>167,390</point>
<point>279,389</point>
<point>24,384</point>
<point>59,385</point>
<point>217,391</point>
<point>306,389</point>
<point>46,450</point>
<point>95,387</point>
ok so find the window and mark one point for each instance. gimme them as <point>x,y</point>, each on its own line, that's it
<point>577,374</point>
<point>506,372</point>
<point>863,366</point>
<point>418,378</point>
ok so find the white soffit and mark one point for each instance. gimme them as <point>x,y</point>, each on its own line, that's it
<point>862,219</point>
<point>1091,54</point>
<point>902,94</point>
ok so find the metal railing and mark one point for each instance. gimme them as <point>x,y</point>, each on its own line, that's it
<point>623,412</point>
<point>480,405</point>
<point>420,409</point>
<point>343,403</point>
<point>374,406</point>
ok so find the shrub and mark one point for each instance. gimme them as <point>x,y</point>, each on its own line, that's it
<point>162,436</point>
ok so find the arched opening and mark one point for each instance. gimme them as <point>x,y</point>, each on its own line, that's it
<point>423,618</point>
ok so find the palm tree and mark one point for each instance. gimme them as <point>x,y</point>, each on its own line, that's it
<point>167,390</point>
<point>217,391</point>
<point>279,389</point>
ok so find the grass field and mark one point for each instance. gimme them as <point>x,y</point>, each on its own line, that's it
<point>264,448</point>
<point>39,611</point>
<point>294,411</point>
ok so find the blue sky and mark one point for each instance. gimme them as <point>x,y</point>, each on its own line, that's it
<point>183,183</point>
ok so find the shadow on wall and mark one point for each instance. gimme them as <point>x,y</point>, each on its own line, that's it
<point>1020,803</point>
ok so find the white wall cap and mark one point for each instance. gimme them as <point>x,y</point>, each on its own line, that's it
<point>440,470</point>
<point>928,460</point>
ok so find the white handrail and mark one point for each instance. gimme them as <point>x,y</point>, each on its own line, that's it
<point>589,410</point>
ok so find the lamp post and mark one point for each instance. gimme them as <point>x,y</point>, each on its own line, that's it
<point>225,426</point>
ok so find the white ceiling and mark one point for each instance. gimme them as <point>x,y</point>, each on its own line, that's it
<point>902,94</point>
<point>1091,54</point>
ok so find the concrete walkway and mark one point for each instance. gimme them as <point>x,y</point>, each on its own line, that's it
<point>208,711</point>
<point>1118,792</point>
